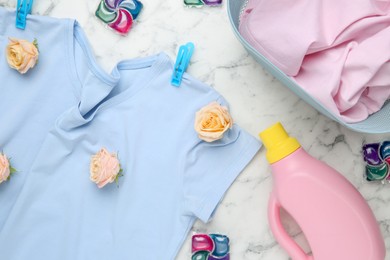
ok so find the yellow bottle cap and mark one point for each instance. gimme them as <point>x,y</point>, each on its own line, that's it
<point>278,143</point>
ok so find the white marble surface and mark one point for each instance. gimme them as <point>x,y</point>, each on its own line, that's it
<point>257,100</point>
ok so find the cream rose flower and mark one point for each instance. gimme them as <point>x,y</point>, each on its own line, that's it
<point>5,168</point>
<point>212,121</point>
<point>22,55</point>
<point>105,168</point>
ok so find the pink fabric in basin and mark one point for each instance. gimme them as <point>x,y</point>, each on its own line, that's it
<point>337,50</point>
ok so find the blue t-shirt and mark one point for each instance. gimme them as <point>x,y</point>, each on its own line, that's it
<point>63,111</point>
<point>30,103</point>
<point>171,177</point>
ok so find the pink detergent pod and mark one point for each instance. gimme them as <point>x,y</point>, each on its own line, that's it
<point>210,247</point>
<point>335,218</point>
<point>119,15</point>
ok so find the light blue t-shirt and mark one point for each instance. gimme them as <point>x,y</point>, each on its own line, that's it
<point>171,177</point>
<point>30,103</point>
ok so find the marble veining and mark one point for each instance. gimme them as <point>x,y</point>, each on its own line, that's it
<point>257,100</point>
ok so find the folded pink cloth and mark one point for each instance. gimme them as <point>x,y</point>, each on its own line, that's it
<point>337,50</point>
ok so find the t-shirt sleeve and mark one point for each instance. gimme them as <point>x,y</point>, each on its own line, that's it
<point>210,169</point>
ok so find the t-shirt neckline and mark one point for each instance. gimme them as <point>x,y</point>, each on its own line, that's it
<point>156,64</point>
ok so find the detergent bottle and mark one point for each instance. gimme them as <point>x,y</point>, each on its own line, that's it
<point>334,217</point>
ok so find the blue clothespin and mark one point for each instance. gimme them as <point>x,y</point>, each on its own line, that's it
<point>23,8</point>
<point>182,62</point>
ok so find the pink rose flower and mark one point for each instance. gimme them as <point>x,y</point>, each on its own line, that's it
<point>212,121</point>
<point>5,169</point>
<point>104,168</point>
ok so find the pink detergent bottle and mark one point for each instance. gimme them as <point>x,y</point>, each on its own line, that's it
<point>335,218</point>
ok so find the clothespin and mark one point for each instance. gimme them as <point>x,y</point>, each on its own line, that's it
<point>182,62</point>
<point>23,8</point>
